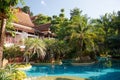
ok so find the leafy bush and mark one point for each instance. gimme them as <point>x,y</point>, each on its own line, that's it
<point>11,73</point>
<point>19,75</point>
<point>12,52</point>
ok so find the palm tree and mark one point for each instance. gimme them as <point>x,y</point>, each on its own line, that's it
<point>34,46</point>
<point>5,13</point>
<point>83,36</point>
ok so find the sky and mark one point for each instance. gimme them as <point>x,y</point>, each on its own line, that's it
<point>93,8</point>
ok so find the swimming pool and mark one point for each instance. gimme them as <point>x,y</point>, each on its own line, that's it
<point>98,71</point>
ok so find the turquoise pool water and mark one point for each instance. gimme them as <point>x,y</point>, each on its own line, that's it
<point>98,71</point>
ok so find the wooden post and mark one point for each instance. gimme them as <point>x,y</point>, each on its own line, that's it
<point>2,36</point>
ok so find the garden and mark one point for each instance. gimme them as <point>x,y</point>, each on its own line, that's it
<point>79,39</point>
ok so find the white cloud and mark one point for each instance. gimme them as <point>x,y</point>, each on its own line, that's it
<point>43,2</point>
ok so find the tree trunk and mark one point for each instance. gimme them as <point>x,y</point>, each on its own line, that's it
<point>27,59</point>
<point>2,36</point>
<point>81,48</point>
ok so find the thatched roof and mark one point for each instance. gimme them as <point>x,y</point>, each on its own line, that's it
<point>24,28</point>
<point>44,27</point>
<point>23,22</point>
<point>23,19</point>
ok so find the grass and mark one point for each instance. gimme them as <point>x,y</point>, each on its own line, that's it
<point>58,78</point>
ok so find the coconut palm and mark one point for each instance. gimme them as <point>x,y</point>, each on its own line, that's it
<point>34,46</point>
<point>83,40</point>
<point>83,36</point>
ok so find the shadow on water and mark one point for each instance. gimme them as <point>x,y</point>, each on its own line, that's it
<point>111,76</point>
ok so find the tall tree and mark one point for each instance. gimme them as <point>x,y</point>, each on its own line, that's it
<point>75,12</point>
<point>83,35</point>
<point>116,22</point>
<point>114,40</point>
<point>104,25</point>
<point>5,13</point>
<point>59,25</point>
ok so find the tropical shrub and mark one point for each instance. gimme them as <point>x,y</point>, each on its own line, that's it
<point>34,46</point>
<point>56,48</point>
<point>11,73</point>
<point>19,75</point>
<point>12,53</point>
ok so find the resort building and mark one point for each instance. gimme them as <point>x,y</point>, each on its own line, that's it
<point>24,28</point>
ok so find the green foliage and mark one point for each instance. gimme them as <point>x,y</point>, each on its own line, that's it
<point>4,75</point>
<point>83,36</point>
<point>76,31</point>
<point>34,46</point>
<point>108,64</point>
<point>7,11</point>
<point>60,25</point>
<point>104,29</point>
<point>75,12</point>
<point>113,42</point>
<point>11,73</point>
<point>57,47</point>
<point>60,47</point>
<point>78,35</point>
<point>26,9</point>
<point>62,13</point>
<point>6,7</point>
<point>12,52</point>
<point>19,75</point>
<point>62,10</point>
<point>42,19</point>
